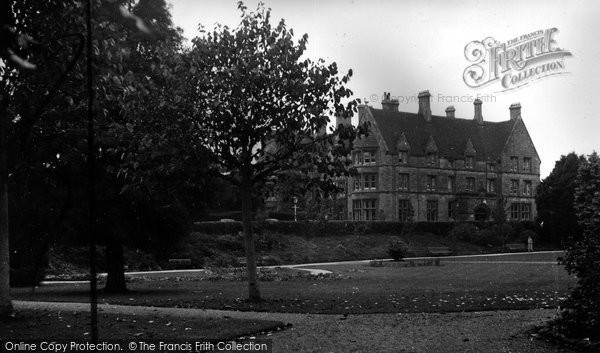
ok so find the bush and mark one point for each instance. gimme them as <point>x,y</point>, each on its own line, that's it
<point>495,235</point>
<point>466,232</point>
<point>312,228</point>
<point>397,249</point>
<point>26,277</point>
<point>524,235</point>
<point>581,316</point>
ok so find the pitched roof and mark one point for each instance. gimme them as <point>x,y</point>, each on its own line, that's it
<point>451,135</point>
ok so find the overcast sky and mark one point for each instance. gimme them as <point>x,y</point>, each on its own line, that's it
<point>404,47</point>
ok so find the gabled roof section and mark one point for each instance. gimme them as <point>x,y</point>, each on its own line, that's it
<point>470,150</point>
<point>431,146</point>
<point>402,144</point>
<point>450,135</point>
<point>374,139</point>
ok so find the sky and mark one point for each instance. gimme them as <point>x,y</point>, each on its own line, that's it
<point>404,47</point>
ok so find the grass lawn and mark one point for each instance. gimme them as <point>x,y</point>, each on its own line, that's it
<point>521,257</point>
<point>357,288</point>
<point>76,325</point>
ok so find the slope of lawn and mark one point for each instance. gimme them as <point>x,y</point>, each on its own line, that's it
<point>351,288</point>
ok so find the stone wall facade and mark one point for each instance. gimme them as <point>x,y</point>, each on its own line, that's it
<point>441,189</point>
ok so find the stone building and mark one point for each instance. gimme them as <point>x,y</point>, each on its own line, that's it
<point>430,168</point>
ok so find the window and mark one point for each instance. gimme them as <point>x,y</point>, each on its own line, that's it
<point>357,157</point>
<point>514,164</point>
<point>431,182</point>
<point>491,167</point>
<point>491,185</point>
<point>451,184</point>
<point>357,182</point>
<point>432,211</point>
<point>514,211</point>
<point>527,164</point>
<point>369,210</point>
<point>520,211</point>
<point>403,157</point>
<point>370,181</point>
<point>404,210</point>
<point>451,208</point>
<point>368,157</point>
<point>364,210</point>
<point>357,210</point>
<point>366,181</point>
<point>432,159</point>
<point>527,188</point>
<point>403,181</point>
<point>469,162</point>
<point>525,211</point>
<point>470,184</point>
<point>514,186</point>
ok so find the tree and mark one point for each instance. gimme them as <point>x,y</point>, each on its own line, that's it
<point>137,95</point>
<point>581,314</point>
<point>554,200</point>
<point>260,108</point>
<point>13,45</point>
<point>142,170</point>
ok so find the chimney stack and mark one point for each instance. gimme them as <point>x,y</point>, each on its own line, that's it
<point>424,107</point>
<point>389,104</point>
<point>515,111</point>
<point>450,112</point>
<point>478,115</point>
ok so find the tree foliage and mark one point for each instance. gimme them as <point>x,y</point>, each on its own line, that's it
<point>148,174</point>
<point>554,201</point>
<point>581,315</point>
<point>262,108</point>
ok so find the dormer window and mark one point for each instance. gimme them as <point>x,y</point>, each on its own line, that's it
<point>469,161</point>
<point>368,157</point>
<point>403,157</point>
<point>432,158</point>
<point>403,147</point>
<point>357,157</point>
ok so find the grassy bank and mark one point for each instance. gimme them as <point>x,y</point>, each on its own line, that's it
<point>350,289</point>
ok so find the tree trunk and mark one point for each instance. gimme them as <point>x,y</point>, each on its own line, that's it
<point>253,291</point>
<point>115,281</point>
<point>5,302</point>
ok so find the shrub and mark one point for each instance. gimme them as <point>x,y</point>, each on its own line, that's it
<point>26,277</point>
<point>397,248</point>
<point>524,235</point>
<point>495,235</point>
<point>466,232</point>
<point>581,316</point>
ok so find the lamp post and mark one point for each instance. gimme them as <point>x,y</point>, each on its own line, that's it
<point>295,207</point>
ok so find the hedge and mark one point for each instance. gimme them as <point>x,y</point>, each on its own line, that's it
<point>327,228</point>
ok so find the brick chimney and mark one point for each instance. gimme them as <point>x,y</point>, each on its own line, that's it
<point>387,103</point>
<point>478,115</point>
<point>424,107</point>
<point>450,112</point>
<point>515,111</point>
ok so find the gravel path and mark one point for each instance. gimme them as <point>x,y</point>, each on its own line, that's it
<point>501,331</point>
